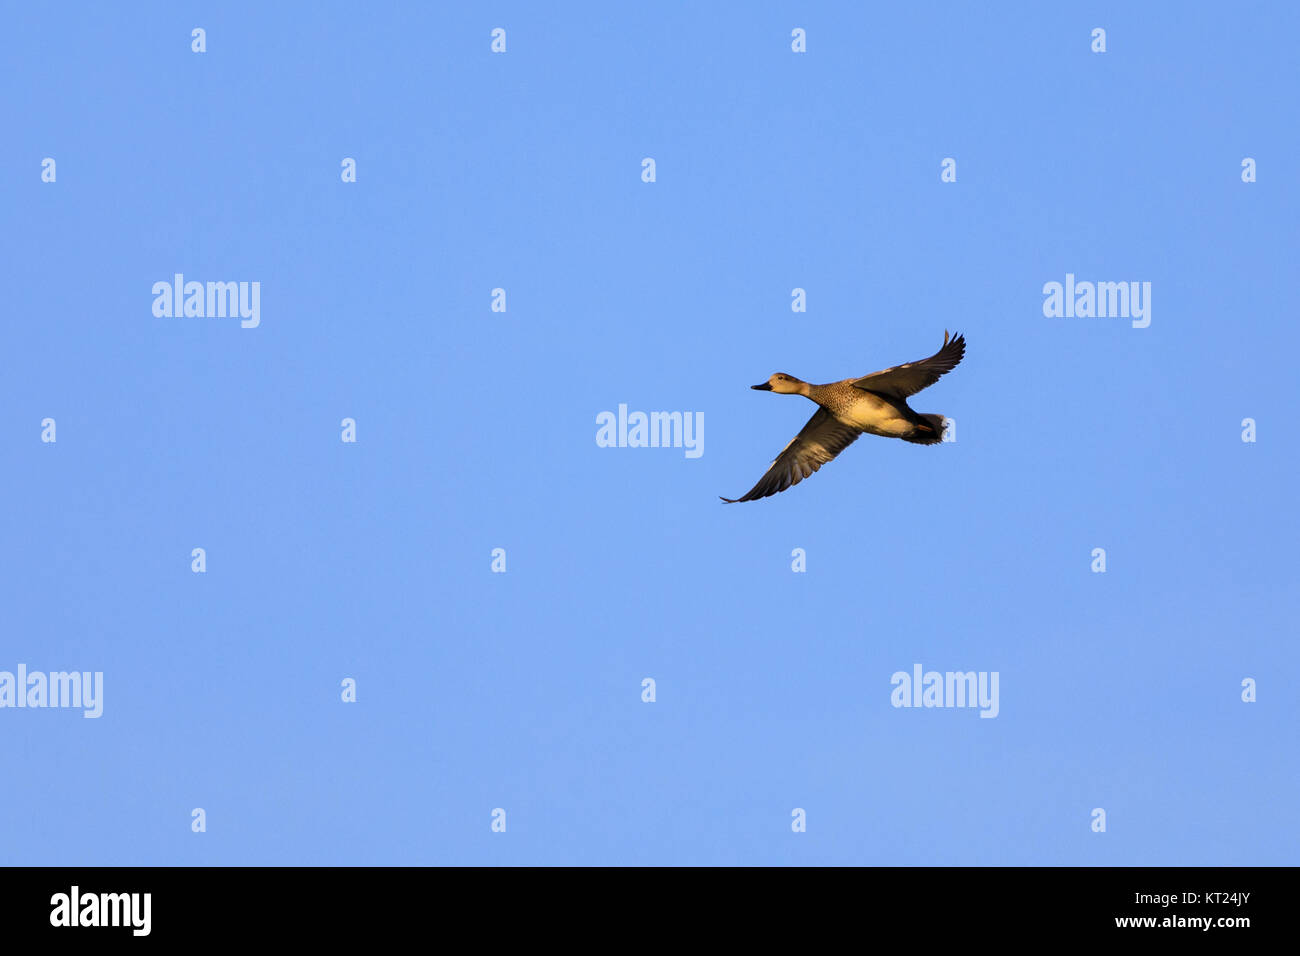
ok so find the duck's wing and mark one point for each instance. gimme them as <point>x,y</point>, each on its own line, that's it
<point>904,380</point>
<point>824,437</point>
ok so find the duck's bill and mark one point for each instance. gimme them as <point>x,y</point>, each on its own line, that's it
<point>765,387</point>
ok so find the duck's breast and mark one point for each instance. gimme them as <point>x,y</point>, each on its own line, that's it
<point>874,415</point>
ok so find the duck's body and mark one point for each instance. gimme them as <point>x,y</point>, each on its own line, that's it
<point>871,412</point>
<point>875,404</point>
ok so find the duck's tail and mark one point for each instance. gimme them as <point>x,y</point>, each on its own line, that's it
<point>928,431</point>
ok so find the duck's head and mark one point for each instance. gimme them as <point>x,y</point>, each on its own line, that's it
<point>785,384</point>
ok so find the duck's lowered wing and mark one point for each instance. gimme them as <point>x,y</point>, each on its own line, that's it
<point>824,437</point>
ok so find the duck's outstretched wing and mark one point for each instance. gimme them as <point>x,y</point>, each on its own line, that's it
<point>904,380</point>
<point>824,437</point>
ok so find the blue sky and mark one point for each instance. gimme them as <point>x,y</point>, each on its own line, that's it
<point>476,430</point>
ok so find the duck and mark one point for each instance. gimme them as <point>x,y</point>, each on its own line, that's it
<point>875,404</point>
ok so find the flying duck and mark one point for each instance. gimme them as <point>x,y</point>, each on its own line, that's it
<point>876,403</point>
